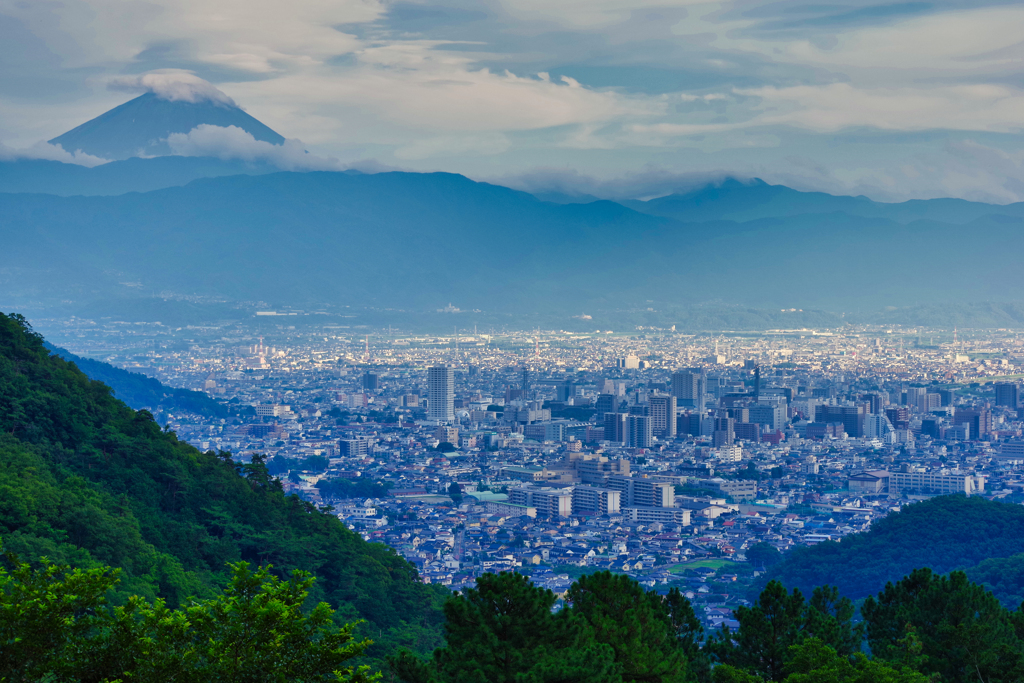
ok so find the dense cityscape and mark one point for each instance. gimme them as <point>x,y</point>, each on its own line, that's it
<point>682,460</point>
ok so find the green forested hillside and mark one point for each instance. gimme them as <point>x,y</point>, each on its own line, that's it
<point>139,391</point>
<point>86,480</point>
<point>944,533</point>
<point>1004,576</point>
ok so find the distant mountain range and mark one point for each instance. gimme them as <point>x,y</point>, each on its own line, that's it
<point>118,177</point>
<point>130,236</point>
<point>420,241</point>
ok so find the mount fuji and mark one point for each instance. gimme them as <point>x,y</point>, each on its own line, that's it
<point>141,127</point>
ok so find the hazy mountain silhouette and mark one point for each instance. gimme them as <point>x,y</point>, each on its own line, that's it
<point>140,127</point>
<point>739,200</point>
<point>118,177</point>
<point>420,241</point>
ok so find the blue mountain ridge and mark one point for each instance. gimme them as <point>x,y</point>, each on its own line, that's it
<point>418,241</point>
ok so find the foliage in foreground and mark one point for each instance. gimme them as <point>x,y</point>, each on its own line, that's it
<point>924,628</point>
<point>55,626</point>
<point>88,482</point>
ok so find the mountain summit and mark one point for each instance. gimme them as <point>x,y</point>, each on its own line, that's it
<point>141,126</point>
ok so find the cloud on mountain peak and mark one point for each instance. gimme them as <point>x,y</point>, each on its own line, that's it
<point>233,143</point>
<point>173,85</point>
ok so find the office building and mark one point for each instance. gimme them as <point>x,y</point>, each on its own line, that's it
<point>898,417</point>
<point>1007,394</point>
<point>688,423</point>
<point>441,394</point>
<point>689,388</point>
<point>371,381</point>
<point>640,432</point>
<point>663,416</point>
<point>851,416</point>
<point>773,416</point>
<point>877,427</point>
<point>929,483</point>
<point>724,433</point>
<point>914,396</point>
<point>978,419</point>
<point>595,469</point>
<point>447,435</point>
<point>616,427</point>
<point>274,410</point>
<point>352,448</point>
<point>747,431</point>
<point>606,403</point>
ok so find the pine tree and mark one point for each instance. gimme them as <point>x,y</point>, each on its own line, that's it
<point>767,630</point>
<point>964,632</point>
<point>637,625</point>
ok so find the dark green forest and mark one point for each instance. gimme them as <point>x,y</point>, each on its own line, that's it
<point>139,391</point>
<point>943,533</point>
<point>88,482</point>
<point>923,628</point>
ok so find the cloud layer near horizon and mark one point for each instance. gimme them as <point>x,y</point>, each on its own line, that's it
<point>889,99</point>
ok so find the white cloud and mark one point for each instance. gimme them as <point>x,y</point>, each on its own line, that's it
<point>402,92</point>
<point>234,143</point>
<point>347,76</point>
<point>455,145</point>
<point>646,183</point>
<point>173,85</point>
<point>587,14</point>
<point>46,151</point>
<point>973,41</point>
<point>829,108</point>
<point>711,97</point>
<point>251,33</point>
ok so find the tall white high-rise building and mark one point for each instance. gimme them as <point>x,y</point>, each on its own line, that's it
<point>441,394</point>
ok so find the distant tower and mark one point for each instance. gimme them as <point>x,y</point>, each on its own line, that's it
<point>526,381</point>
<point>441,394</point>
<point>757,382</point>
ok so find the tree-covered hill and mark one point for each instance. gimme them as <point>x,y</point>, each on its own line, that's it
<point>944,533</point>
<point>139,391</point>
<point>86,480</point>
<point>1004,576</point>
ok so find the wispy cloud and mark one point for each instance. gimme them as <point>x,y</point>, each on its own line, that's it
<point>48,152</point>
<point>233,143</point>
<point>174,85</point>
<point>610,88</point>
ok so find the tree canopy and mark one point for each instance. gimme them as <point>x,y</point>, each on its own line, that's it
<point>88,482</point>
<point>943,533</point>
<point>55,626</point>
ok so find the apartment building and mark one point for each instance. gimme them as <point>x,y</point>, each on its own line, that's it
<point>642,491</point>
<point>590,500</point>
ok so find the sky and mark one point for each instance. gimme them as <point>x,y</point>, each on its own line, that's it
<point>616,98</point>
